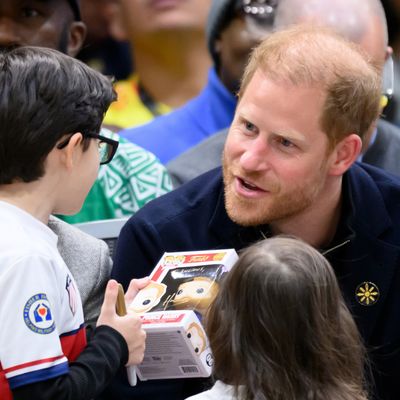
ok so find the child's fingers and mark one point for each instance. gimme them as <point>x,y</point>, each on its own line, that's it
<point>134,286</point>
<point>110,298</point>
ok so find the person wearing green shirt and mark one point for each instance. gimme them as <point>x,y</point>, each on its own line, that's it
<point>128,182</point>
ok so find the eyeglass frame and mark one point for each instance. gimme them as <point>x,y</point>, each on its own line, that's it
<point>114,144</point>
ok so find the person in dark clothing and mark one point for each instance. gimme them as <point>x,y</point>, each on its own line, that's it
<point>307,100</point>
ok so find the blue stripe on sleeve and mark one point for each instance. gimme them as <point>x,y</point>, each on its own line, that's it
<point>39,375</point>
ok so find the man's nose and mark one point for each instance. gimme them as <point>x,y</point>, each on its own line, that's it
<point>255,158</point>
<point>9,36</point>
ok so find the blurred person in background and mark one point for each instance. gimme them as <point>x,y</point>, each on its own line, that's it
<point>101,51</point>
<point>234,27</point>
<point>167,40</point>
<point>392,9</point>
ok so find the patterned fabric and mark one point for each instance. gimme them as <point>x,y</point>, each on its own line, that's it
<point>127,183</point>
<point>129,110</point>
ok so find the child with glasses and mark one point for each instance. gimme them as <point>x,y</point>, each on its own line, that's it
<point>280,330</point>
<point>51,109</point>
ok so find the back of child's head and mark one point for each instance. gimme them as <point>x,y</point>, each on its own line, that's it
<point>279,327</point>
<point>44,95</point>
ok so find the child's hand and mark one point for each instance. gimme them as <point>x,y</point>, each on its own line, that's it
<point>129,326</point>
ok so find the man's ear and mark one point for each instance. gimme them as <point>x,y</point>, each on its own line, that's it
<point>345,154</point>
<point>72,150</point>
<point>77,35</point>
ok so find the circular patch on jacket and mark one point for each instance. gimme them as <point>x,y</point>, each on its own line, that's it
<point>38,316</point>
<point>367,293</point>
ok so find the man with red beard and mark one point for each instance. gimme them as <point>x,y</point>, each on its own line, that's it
<point>307,100</point>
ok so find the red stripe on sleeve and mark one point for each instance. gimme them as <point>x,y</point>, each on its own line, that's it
<point>31,363</point>
<point>72,345</point>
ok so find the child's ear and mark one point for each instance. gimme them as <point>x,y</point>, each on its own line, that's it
<point>72,150</point>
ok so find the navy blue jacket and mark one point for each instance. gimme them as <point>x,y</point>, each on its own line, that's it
<point>366,248</point>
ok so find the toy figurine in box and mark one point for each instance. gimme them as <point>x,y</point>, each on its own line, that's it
<point>196,294</point>
<point>182,287</point>
<point>183,282</point>
<point>192,287</point>
<point>197,336</point>
<point>149,297</point>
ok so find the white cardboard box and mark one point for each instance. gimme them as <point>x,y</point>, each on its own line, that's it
<point>183,285</point>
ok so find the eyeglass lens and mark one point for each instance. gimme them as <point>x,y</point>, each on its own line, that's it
<point>105,151</point>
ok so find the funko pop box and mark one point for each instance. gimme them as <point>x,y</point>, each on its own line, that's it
<point>183,285</point>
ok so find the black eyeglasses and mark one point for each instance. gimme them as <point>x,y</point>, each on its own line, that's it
<point>107,147</point>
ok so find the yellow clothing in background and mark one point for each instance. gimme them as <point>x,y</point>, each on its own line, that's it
<point>130,110</point>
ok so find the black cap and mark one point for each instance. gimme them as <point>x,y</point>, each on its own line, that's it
<point>221,12</point>
<point>260,12</point>
<point>75,8</point>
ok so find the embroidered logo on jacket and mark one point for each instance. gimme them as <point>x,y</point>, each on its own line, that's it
<point>367,293</point>
<point>38,316</point>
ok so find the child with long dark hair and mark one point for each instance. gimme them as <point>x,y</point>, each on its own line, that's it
<point>279,329</point>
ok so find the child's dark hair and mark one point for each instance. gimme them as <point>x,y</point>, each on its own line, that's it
<point>279,327</point>
<point>44,95</point>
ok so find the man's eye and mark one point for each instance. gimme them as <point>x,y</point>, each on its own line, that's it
<point>29,12</point>
<point>285,142</point>
<point>249,126</point>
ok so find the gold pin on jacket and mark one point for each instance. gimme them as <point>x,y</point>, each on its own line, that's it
<point>367,293</point>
